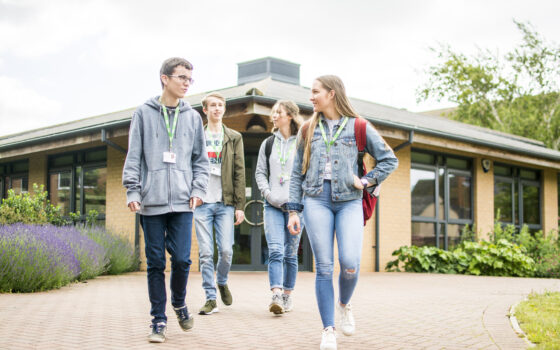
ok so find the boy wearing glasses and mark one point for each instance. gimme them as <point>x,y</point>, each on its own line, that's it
<point>223,203</point>
<point>166,175</point>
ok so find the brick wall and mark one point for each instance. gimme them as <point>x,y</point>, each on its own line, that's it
<point>38,170</point>
<point>483,199</point>
<point>395,208</point>
<point>550,200</point>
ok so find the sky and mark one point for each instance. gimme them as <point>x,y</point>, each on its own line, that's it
<point>66,60</point>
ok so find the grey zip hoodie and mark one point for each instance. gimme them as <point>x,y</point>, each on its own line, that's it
<point>164,187</point>
<point>271,189</point>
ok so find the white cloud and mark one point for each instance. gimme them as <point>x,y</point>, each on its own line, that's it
<point>22,108</point>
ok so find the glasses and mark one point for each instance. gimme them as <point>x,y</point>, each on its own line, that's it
<point>183,78</point>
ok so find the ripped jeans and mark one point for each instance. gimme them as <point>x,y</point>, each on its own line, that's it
<point>282,248</point>
<point>218,219</point>
<point>323,219</point>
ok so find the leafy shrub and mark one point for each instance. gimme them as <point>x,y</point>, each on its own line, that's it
<point>476,258</point>
<point>543,249</point>
<point>496,259</point>
<point>424,259</point>
<point>30,208</point>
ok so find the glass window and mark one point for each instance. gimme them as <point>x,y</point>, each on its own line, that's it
<point>423,233</point>
<point>518,196</point>
<point>14,176</point>
<point>454,233</point>
<point>422,158</point>
<point>422,186</point>
<point>502,170</point>
<point>58,161</point>
<point>528,174</point>
<point>96,156</point>
<point>457,163</point>
<point>453,190</point>
<point>531,212</point>
<point>503,201</point>
<point>460,196</point>
<point>95,183</point>
<point>78,182</point>
<point>59,184</point>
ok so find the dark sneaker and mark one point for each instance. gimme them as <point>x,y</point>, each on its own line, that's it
<point>158,333</point>
<point>185,319</point>
<point>225,294</point>
<point>276,304</point>
<point>209,308</point>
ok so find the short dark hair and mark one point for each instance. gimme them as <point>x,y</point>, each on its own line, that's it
<point>169,65</point>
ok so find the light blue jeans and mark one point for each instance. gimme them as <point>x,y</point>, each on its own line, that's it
<point>323,219</point>
<point>215,218</point>
<point>282,248</point>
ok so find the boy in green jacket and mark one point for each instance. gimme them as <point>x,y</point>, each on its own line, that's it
<point>223,202</point>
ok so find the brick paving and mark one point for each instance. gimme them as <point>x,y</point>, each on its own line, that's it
<point>392,311</point>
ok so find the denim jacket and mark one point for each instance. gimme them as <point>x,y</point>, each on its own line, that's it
<point>344,164</point>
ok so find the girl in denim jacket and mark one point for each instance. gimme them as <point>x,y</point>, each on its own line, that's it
<point>273,179</point>
<point>325,186</point>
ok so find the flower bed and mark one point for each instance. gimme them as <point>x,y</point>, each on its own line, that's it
<point>42,257</point>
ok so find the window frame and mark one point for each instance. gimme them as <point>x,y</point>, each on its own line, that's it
<point>441,224</point>
<point>78,161</point>
<point>9,174</point>
<point>516,180</point>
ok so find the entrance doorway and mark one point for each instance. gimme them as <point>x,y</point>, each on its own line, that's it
<point>250,251</point>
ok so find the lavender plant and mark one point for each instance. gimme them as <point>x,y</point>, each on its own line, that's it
<point>33,259</point>
<point>120,252</point>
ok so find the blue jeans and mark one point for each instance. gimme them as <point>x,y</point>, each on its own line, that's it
<point>282,249</point>
<point>171,231</point>
<point>215,218</point>
<point>323,219</point>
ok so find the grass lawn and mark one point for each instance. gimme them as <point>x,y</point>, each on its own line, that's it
<point>539,317</point>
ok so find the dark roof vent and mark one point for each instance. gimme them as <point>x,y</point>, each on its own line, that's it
<point>261,68</point>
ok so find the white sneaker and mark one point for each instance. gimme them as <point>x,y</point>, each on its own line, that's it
<point>347,323</point>
<point>328,341</point>
<point>275,305</point>
<point>287,302</point>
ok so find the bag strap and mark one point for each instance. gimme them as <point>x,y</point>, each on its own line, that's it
<point>360,126</point>
<point>267,150</point>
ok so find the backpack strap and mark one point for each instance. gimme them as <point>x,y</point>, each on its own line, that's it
<point>267,150</point>
<point>360,126</point>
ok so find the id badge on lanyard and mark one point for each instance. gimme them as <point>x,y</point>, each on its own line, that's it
<point>170,157</point>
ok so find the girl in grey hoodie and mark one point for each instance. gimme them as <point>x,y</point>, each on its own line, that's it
<point>274,167</point>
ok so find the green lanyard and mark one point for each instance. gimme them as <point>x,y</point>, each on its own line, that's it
<point>213,143</point>
<point>329,143</point>
<point>170,132</point>
<point>289,153</point>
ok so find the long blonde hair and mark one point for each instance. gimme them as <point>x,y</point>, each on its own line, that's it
<point>292,110</point>
<point>341,104</point>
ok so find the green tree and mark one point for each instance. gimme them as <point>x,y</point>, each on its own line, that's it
<point>517,93</point>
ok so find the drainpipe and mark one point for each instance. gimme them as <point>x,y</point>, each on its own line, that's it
<point>106,141</point>
<point>406,143</point>
<point>396,149</point>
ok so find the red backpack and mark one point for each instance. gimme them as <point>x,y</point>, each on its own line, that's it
<point>368,200</point>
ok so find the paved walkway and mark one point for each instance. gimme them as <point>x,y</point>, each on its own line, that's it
<point>392,311</point>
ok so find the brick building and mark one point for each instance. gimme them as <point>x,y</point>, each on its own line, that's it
<point>450,174</point>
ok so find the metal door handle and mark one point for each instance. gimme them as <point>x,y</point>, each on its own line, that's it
<point>245,209</point>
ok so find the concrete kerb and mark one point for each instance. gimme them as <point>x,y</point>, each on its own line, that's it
<point>515,324</point>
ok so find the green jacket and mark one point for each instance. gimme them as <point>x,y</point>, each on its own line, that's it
<point>233,169</point>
